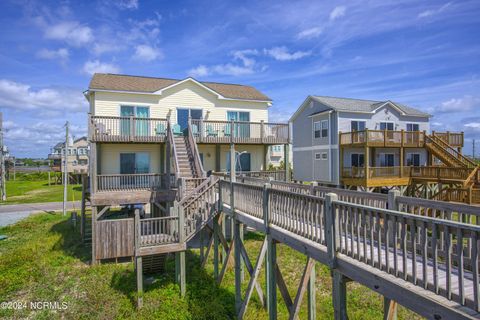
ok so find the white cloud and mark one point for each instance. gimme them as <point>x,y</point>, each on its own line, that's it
<point>282,54</point>
<point>467,103</point>
<point>200,71</point>
<point>310,33</point>
<point>71,32</point>
<point>95,66</point>
<point>337,12</point>
<point>243,56</point>
<point>128,4</point>
<point>146,53</point>
<point>19,96</point>
<point>432,12</point>
<point>473,125</point>
<point>232,70</point>
<point>60,54</point>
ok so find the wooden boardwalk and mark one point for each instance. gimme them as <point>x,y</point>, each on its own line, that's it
<point>425,261</point>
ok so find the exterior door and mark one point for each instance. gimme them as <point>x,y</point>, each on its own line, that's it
<point>141,125</point>
<point>127,163</point>
<point>241,130</point>
<point>182,118</point>
<point>242,162</point>
<point>387,160</point>
<point>126,112</point>
<point>183,114</point>
<point>142,162</point>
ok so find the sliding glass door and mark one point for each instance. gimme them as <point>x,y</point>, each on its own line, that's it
<point>241,130</point>
<point>140,113</point>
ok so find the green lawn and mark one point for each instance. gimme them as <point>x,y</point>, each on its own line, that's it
<point>43,260</point>
<point>33,191</point>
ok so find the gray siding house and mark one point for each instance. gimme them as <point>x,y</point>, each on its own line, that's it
<point>318,122</point>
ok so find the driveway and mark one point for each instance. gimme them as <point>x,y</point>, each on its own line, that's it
<point>10,214</point>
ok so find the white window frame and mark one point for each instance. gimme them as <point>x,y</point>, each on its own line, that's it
<point>392,122</point>
<point>318,156</point>
<point>315,123</point>
<point>358,121</point>
<point>327,127</point>
<point>412,124</point>
<point>324,156</point>
<point>320,124</point>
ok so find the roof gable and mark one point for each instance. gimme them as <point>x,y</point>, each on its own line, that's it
<point>150,85</point>
<point>358,106</point>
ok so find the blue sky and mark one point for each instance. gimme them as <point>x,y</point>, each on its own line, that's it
<point>425,54</point>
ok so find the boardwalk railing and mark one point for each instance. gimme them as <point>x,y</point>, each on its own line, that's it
<point>208,131</point>
<point>127,129</point>
<point>271,174</point>
<point>434,252</point>
<point>414,248</point>
<point>140,181</point>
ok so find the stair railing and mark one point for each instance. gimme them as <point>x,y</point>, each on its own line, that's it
<point>173,148</point>
<point>451,151</point>
<point>194,149</point>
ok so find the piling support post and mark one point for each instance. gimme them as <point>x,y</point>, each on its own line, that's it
<point>138,260</point>
<point>389,309</point>
<point>270,259</point>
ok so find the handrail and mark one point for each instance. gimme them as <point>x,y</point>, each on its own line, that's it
<point>196,155</point>
<point>171,142</point>
<point>451,151</point>
<point>196,190</point>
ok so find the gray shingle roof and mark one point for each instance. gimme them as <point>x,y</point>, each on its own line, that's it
<point>120,82</point>
<point>359,105</point>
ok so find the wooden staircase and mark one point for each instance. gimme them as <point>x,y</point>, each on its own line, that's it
<point>186,161</point>
<point>467,188</point>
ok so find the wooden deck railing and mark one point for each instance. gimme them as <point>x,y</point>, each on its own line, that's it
<point>158,231</point>
<point>125,182</point>
<point>427,248</point>
<point>376,172</point>
<point>391,138</point>
<point>127,129</point>
<point>454,139</point>
<point>437,172</point>
<point>208,131</point>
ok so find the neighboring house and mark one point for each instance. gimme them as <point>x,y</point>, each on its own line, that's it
<point>362,143</point>
<point>276,156</point>
<point>77,157</point>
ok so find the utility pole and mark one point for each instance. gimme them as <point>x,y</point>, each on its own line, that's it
<point>473,149</point>
<point>2,158</point>
<point>65,170</point>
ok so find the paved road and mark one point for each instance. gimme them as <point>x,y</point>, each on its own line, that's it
<point>9,214</point>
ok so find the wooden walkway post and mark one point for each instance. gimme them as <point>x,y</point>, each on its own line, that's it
<point>180,256</point>
<point>82,210</point>
<point>138,259</point>
<point>312,306</point>
<point>339,292</point>
<point>339,281</point>
<point>271,259</point>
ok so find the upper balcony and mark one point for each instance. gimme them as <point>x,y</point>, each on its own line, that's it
<point>151,130</point>
<point>390,138</point>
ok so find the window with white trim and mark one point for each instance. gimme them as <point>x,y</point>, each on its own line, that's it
<point>324,156</point>
<point>317,129</point>
<point>413,159</point>
<point>320,129</point>
<point>318,156</point>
